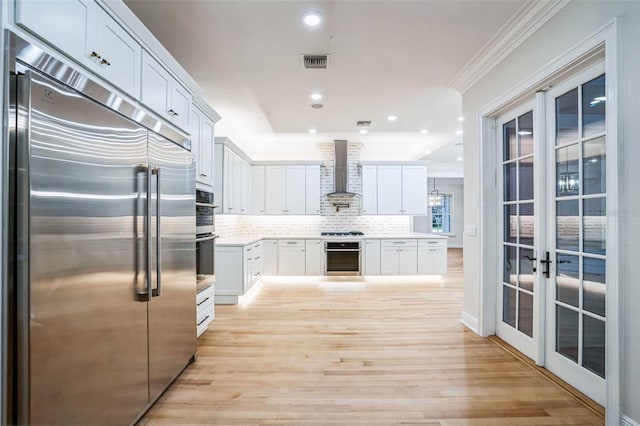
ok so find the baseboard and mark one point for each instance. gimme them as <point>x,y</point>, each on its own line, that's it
<point>470,322</point>
<point>626,421</point>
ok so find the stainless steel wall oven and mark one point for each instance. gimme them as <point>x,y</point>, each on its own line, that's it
<point>205,237</point>
<point>342,257</point>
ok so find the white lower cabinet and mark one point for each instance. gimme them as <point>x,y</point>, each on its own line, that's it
<point>399,257</point>
<point>313,259</point>
<point>238,268</point>
<point>432,257</point>
<point>291,257</point>
<point>205,309</point>
<point>372,257</point>
<point>270,257</point>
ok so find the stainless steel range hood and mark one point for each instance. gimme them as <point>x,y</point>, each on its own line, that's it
<point>340,171</point>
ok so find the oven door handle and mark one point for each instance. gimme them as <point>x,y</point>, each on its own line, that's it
<point>210,237</point>
<point>344,250</point>
<point>213,206</point>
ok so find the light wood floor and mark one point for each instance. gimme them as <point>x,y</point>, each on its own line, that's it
<point>359,352</point>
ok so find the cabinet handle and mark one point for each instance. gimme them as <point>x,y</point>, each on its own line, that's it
<point>292,242</point>
<point>172,113</point>
<point>95,55</point>
<point>105,62</point>
<point>207,298</point>
<point>203,174</point>
<point>257,258</point>
<point>202,322</point>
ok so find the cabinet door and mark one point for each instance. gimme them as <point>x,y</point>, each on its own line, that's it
<point>196,140</point>
<point>121,55</point>
<point>270,257</point>
<point>246,270</point>
<point>275,189</point>
<point>295,199</point>
<point>439,261</point>
<point>218,177</point>
<point>372,257</point>
<point>408,261</point>
<point>69,26</point>
<point>389,260</point>
<point>227,187</point>
<point>257,189</point>
<point>205,159</point>
<point>389,189</point>
<point>312,190</point>
<point>370,190</point>
<point>425,261</point>
<point>414,190</point>
<point>237,183</point>
<point>314,252</point>
<point>180,105</point>
<point>156,85</point>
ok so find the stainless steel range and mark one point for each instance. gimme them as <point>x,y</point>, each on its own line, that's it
<point>343,252</point>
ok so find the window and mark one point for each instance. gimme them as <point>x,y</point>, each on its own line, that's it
<point>441,213</point>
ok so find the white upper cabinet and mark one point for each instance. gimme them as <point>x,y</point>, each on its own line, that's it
<point>66,25</point>
<point>88,35</point>
<point>275,179</point>
<point>390,190</point>
<point>257,189</point>
<point>202,139</point>
<point>370,189</point>
<point>237,183</point>
<point>163,94</point>
<point>232,183</point>
<point>245,187</point>
<point>312,192</point>
<point>414,190</point>
<point>296,202</point>
<point>119,54</point>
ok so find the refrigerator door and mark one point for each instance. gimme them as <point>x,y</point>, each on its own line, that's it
<point>172,310</point>
<point>84,324</point>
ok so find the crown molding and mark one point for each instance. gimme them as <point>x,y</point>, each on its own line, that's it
<point>527,20</point>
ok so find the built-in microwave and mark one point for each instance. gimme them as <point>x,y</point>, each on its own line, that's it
<point>205,237</point>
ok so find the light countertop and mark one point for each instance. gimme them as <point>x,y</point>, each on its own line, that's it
<point>243,240</point>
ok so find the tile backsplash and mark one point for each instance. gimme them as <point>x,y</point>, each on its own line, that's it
<point>331,218</point>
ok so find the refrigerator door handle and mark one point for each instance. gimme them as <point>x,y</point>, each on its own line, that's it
<point>141,241</point>
<point>157,291</point>
<point>148,235</point>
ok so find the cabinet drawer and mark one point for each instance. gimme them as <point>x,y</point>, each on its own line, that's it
<point>432,243</point>
<point>399,243</point>
<point>205,310</point>
<point>291,243</point>
<point>204,295</point>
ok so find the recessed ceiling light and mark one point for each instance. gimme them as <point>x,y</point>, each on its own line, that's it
<point>317,106</point>
<point>316,96</point>
<point>364,131</point>
<point>312,19</point>
<point>525,133</point>
<point>392,117</point>
<point>460,118</point>
<point>424,131</point>
<point>313,131</point>
<point>459,132</point>
<point>460,158</point>
<point>427,152</point>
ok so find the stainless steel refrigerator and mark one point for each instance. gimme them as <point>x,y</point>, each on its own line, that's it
<point>101,282</point>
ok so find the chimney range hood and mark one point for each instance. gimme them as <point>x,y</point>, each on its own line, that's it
<point>340,171</point>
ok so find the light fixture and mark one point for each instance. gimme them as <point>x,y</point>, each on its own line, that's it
<point>435,198</point>
<point>316,96</point>
<point>427,152</point>
<point>313,131</point>
<point>364,131</point>
<point>392,117</point>
<point>459,132</point>
<point>461,118</point>
<point>424,131</point>
<point>460,158</point>
<point>312,19</point>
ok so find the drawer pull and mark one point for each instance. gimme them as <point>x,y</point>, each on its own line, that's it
<point>201,322</point>
<point>257,258</point>
<point>205,299</point>
<point>105,62</point>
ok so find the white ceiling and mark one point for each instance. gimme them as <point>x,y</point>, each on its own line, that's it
<point>387,57</point>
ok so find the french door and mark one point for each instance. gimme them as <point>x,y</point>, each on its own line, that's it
<point>576,235</point>
<point>552,248</point>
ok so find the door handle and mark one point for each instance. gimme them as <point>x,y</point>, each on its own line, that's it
<point>140,237</point>
<point>156,292</point>
<point>148,229</point>
<point>533,259</point>
<point>547,265</point>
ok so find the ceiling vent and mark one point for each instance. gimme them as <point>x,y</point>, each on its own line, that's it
<point>315,62</point>
<point>363,123</point>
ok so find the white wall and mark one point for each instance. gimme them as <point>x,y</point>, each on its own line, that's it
<point>571,25</point>
<point>453,186</point>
